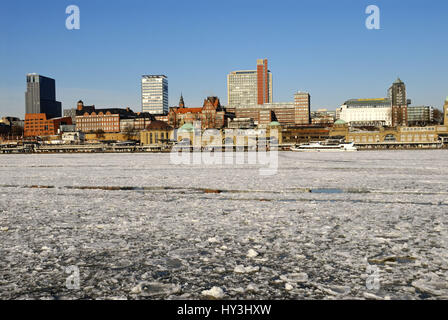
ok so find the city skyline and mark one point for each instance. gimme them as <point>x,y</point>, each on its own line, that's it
<point>320,49</point>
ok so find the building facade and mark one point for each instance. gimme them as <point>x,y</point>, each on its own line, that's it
<point>397,95</point>
<point>264,82</point>
<point>302,103</point>
<point>420,115</point>
<point>241,123</point>
<point>323,117</point>
<point>107,121</point>
<point>398,134</point>
<point>111,120</point>
<point>158,132</point>
<point>40,96</point>
<point>40,125</point>
<point>154,94</point>
<point>296,135</point>
<point>392,135</point>
<point>286,113</point>
<point>391,111</point>
<point>366,112</point>
<point>211,115</point>
<point>250,87</point>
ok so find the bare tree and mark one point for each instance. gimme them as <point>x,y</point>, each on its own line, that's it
<point>438,116</point>
<point>16,130</point>
<point>129,132</point>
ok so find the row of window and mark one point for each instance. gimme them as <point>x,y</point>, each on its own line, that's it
<point>404,138</point>
<point>37,127</point>
<point>419,129</point>
<point>155,138</point>
<point>86,120</point>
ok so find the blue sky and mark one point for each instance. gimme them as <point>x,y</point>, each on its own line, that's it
<point>318,46</point>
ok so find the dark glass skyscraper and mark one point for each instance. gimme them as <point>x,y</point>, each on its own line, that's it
<point>40,96</point>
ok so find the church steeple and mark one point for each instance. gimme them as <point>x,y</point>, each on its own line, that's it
<point>181,101</point>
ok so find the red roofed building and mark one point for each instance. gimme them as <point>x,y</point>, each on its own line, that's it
<point>211,115</point>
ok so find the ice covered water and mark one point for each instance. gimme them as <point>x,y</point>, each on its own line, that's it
<point>138,227</point>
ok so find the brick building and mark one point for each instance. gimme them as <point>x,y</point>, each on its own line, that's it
<point>37,125</point>
<point>302,104</point>
<point>111,120</point>
<point>211,115</point>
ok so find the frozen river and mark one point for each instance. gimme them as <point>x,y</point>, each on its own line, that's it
<point>368,225</point>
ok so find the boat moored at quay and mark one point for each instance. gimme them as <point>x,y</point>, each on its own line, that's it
<point>325,147</point>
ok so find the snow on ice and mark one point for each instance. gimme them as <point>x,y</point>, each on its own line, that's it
<point>138,227</point>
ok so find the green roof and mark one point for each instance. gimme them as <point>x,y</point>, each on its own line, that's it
<point>340,121</point>
<point>274,123</point>
<point>188,127</point>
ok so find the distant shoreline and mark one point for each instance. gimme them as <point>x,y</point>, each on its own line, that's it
<point>169,151</point>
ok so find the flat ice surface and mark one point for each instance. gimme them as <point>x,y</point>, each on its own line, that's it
<point>367,225</point>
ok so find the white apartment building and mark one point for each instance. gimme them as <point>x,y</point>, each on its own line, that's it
<point>155,94</point>
<point>366,112</point>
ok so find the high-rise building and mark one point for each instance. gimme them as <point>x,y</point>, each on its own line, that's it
<point>242,88</point>
<point>155,94</point>
<point>250,87</point>
<point>302,103</point>
<point>40,96</point>
<point>263,82</point>
<point>397,94</point>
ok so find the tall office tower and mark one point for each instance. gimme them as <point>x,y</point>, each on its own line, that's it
<point>155,94</point>
<point>302,105</point>
<point>397,95</point>
<point>250,87</point>
<point>40,96</point>
<point>262,81</point>
<point>242,88</point>
<point>445,111</point>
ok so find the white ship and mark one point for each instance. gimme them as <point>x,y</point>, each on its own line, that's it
<point>320,147</point>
